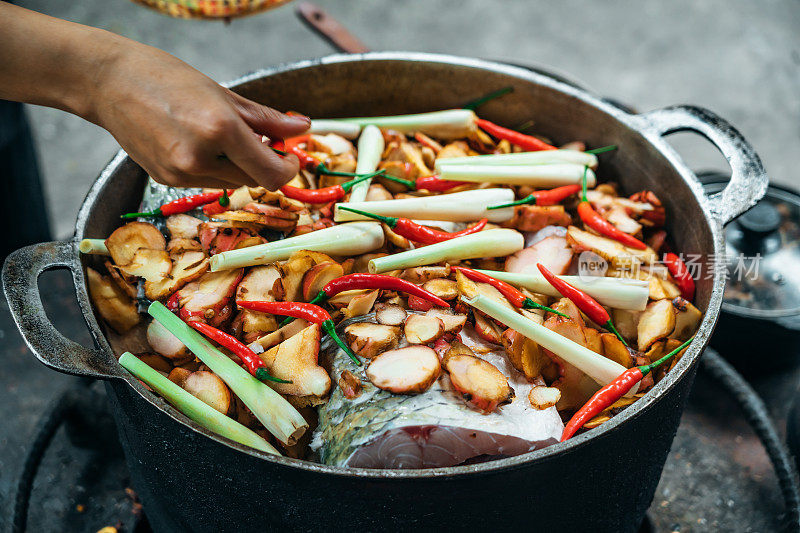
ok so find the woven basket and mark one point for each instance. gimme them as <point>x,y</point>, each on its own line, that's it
<point>210,9</point>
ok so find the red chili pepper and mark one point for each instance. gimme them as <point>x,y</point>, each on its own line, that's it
<point>418,304</point>
<point>405,227</point>
<point>512,294</point>
<point>612,392</point>
<point>215,208</point>
<point>173,304</point>
<point>307,161</point>
<point>307,311</point>
<point>424,140</point>
<point>252,361</point>
<point>181,205</point>
<point>375,281</point>
<point>678,269</point>
<point>326,194</point>
<point>526,142</point>
<point>547,197</point>
<point>583,301</point>
<point>436,184</point>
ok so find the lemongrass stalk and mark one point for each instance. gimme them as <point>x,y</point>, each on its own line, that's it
<point>551,175</point>
<point>269,407</point>
<point>343,239</point>
<point>370,149</point>
<point>466,206</point>
<point>193,407</point>
<point>487,243</point>
<point>543,157</point>
<point>448,124</point>
<point>93,246</point>
<point>599,368</point>
<point>619,293</point>
<point>347,130</point>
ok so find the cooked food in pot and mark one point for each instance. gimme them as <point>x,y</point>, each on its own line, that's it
<point>430,290</point>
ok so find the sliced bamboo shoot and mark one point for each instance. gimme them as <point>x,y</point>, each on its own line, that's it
<point>467,206</point>
<point>488,243</point>
<point>343,239</point>
<point>594,365</point>
<point>269,407</point>
<point>193,407</point>
<point>448,124</point>
<point>370,148</point>
<point>554,175</point>
<point>545,157</point>
<point>618,293</point>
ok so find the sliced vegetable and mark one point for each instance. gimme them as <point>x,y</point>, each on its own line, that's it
<point>488,243</point>
<point>209,388</point>
<point>294,363</point>
<point>546,157</point>
<point>466,206</point>
<point>370,148</point>
<point>553,175</point>
<point>116,307</point>
<point>390,315</point>
<point>165,343</point>
<point>407,370</point>
<point>423,329</point>
<point>93,246</point>
<point>542,397</point>
<point>656,323</point>
<point>277,415</point>
<point>479,381</point>
<point>193,407</point>
<point>125,241</point>
<point>594,365</point>
<point>417,232</point>
<point>453,322</point>
<point>343,239</point>
<point>448,124</point>
<point>367,340</point>
<point>612,292</point>
<point>348,130</point>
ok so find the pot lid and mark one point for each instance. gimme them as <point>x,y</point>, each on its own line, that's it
<point>762,253</point>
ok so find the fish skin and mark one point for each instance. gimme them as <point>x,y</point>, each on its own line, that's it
<point>435,428</point>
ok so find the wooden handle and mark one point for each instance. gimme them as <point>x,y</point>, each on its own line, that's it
<point>329,28</point>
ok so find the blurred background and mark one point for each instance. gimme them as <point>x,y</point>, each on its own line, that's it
<point>738,58</point>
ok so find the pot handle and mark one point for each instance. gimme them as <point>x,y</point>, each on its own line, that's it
<point>21,285</point>
<point>748,182</point>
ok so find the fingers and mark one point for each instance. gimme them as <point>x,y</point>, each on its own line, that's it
<point>269,122</point>
<point>257,161</point>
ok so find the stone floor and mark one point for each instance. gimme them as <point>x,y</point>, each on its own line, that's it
<point>738,58</point>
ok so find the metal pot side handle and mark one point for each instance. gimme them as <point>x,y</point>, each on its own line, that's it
<point>21,286</point>
<point>748,182</point>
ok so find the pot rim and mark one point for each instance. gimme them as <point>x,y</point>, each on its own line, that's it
<point>638,123</point>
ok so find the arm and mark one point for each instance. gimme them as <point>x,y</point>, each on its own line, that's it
<point>183,128</point>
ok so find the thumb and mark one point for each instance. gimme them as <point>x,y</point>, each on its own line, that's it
<point>267,121</point>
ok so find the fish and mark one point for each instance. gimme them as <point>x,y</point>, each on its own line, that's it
<point>435,428</point>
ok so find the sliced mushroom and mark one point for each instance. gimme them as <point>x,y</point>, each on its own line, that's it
<point>186,267</point>
<point>113,305</point>
<point>295,359</point>
<point>657,322</point>
<point>687,319</point>
<point>608,249</point>
<point>123,243</point>
<point>425,273</point>
<point>407,370</point>
<point>453,322</point>
<point>318,276</point>
<point>183,226</point>
<point>179,245</point>
<point>616,351</point>
<point>444,288</point>
<point>481,383</point>
<point>126,286</point>
<point>165,343</point>
<point>524,354</point>
<point>210,389</point>
<point>542,397</point>
<point>423,329</point>
<point>367,340</point>
<point>390,314</point>
<point>361,304</point>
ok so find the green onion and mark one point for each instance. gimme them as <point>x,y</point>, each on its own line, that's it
<point>342,239</point>
<point>544,157</point>
<point>466,206</point>
<point>618,293</point>
<point>594,365</point>
<point>448,124</point>
<point>487,243</point>
<point>269,407</point>
<point>93,246</point>
<point>193,407</point>
<point>370,149</point>
<point>541,176</point>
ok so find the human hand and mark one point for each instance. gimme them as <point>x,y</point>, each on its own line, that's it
<point>185,129</point>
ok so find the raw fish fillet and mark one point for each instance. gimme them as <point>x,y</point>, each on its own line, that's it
<point>436,428</point>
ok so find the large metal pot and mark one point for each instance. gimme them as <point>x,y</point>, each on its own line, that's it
<point>191,479</point>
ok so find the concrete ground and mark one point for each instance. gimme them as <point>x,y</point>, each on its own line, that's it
<point>740,59</point>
